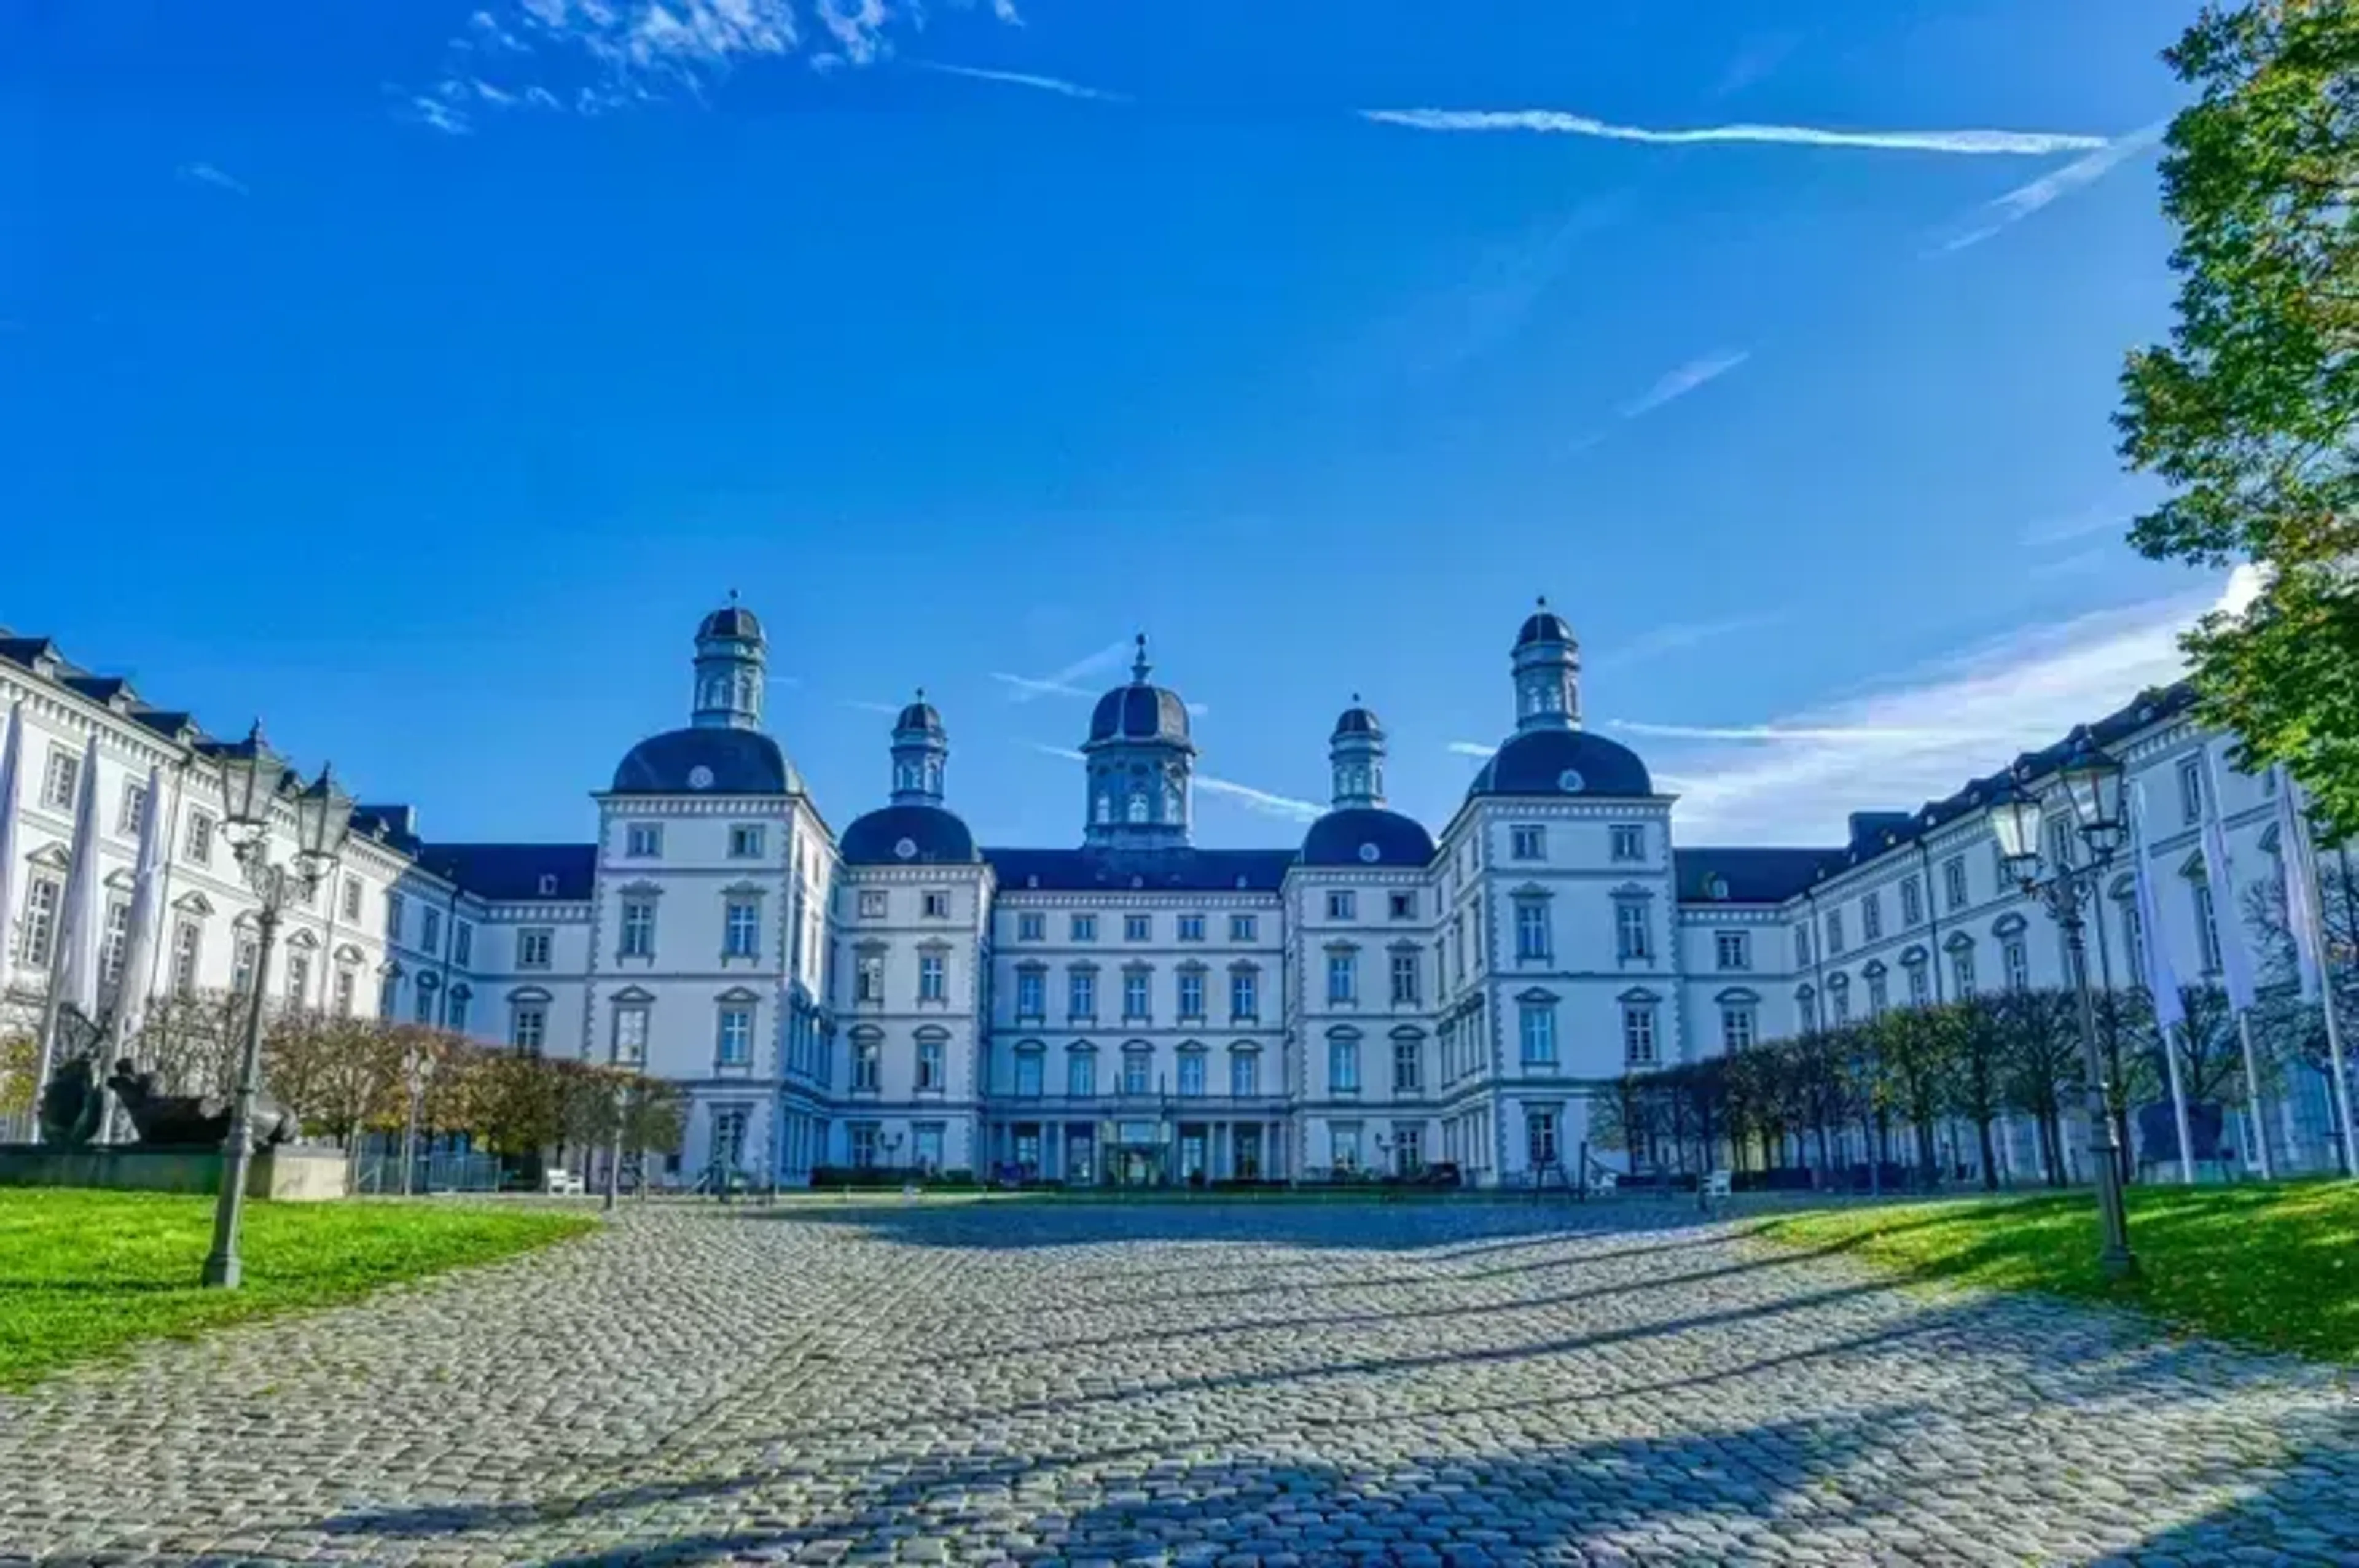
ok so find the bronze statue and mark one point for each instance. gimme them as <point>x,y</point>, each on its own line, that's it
<point>182,1121</point>
<point>71,1105</point>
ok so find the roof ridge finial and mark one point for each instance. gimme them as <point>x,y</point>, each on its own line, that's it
<point>921,694</point>
<point>1140,667</point>
<point>1355,699</point>
<point>1544,601</point>
<point>733,596</point>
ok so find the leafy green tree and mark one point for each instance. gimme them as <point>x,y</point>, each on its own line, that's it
<point>2248,412</point>
<point>1918,1047</point>
<point>1977,1088</point>
<point>2041,1065</point>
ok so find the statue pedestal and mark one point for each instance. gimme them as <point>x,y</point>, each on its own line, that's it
<point>286,1173</point>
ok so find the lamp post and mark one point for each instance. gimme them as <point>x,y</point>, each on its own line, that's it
<point>253,777</point>
<point>2091,781</point>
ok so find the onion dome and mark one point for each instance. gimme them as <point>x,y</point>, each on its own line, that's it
<point>703,761</point>
<point>1366,836</point>
<point>1140,711</point>
<point>1563,761</point>
<point>908,836</point>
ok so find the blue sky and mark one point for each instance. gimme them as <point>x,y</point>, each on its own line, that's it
<point>416,376</point>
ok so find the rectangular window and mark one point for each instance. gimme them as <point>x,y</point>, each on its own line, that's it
<point>1138,1072</point>
<point>1841,994</point>
<point>1835,943</point>
<point>2191,788</point>
<point>1082,994</point>
<point>1191,928</point>
<point>2207,926</point>
<point>1405,967</point>
<point>1343,1141</point>
<point>1920,985</point>
<point>1528,842</point>
<point>1736,1026</point>
<point>114,941</point>
<point>746,841</point>
<point>533,947</point>
<point>39,931</point>
<point>188,939</point>
<point>58,781</point>
<point>1801,946</point>
<point>1953,882</point>
<point>1401,905</point>
<point>347,988</point>
<point>134,813</point>
<point>863,1145</point>
<point>1912,901</point>
<point>1192,995</point>
<point>2016,956</point>
<point>737,1037</point>
<point>352,904</point>
<point>930,1066</point>
<point>1027,1074</point>
<point>1871,917</point>
<point>867,1063</point>
<point>933,977</point>
<point>1408,1065</point>
<point>1632,938</point>
<point>1532,932</point>
<point>1629,841</point>
<point>925,1145</point>
<point>528,1027</point>
<point>1879,993</point>
<point>463,943</point>
<point>1031,928</point>
<point>872,904</point>
<point>639,928</point>
<point>868,979</point>
<point>1135,1009</point>
<point>1344,1066</point>
<point>1080,1074</point>
<point>1341,905</point>
<point>1083,928</point>
<point>2061,835</point>
<point>643,840</point>
<point>1191,1073</point>
<point>1342,978</point>
<point>1137,927</point>
<point>392,913</point>
<point>1244,1073</point>
<point>242,962</point>
<point>423,1009</point>
<point>1962,972</point>
<point>934,904</point>
<point>1638,1034</point>
<point>1733,949</point>
<point>1540,1139</point>
<point>1241,927</point>
<point>429,930</point>
<point>1536,1029</point>
<point>201,845</point>
<point>1031,999</point>
<point>631,1034</point>
<point>1244,1005</point>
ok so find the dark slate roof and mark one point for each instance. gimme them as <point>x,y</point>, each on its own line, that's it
<point>394,825</point>
<point>934,836</point>
<point>506,873</point>
<point>1151,871</point>
<point>742,762</point>
<point>1358,721</point>
<point>732,620</point>
<point>1547,626</point>
<point>1344,839</point>
<point>1537,761</point>
<point>1748,876</point>
<point>919,715</point>
<point>1139,712</point>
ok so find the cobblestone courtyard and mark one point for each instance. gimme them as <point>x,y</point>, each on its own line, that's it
<point>1010,1382</point>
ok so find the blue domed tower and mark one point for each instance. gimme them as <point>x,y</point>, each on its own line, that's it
<point>1548,672</point>
<point>731,653</point>
<point>1141,760</point>
<point>920,748</point>
<point>1357,751</point>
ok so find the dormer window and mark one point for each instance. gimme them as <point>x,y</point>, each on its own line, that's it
<point>547,885</point>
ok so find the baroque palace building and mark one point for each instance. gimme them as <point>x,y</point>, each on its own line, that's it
<point>1135,1009</point>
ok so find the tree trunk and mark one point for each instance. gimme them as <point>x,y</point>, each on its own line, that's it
<point>1929,1158</point>
<point>1990,1154</point>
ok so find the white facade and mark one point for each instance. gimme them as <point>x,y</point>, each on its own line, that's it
<point>1135,1009</point>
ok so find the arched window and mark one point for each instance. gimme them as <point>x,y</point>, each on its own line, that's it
<point>1102,808</point>
<point>1138,805</point>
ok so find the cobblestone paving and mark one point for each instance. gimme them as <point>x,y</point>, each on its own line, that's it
<point>1211,1385</point>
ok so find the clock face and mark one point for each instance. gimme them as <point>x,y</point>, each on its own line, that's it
<point>907,849</point>
<point>1571,782</point>
<point>1370,853</point>
<point>699,777</point>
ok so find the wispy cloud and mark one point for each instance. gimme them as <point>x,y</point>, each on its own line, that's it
<point>210,174</point>
<point>1678,381</point>
<point>1067,752</point>
<point>1024,688</point>
<point>1920,739</point>
<point>589,57</point>
<point>1972,144</point>
<point>1677,638</point>
<point>1024,79</point>
<point>1262,801</point>
<point>1472,748</point>
<point>2025,200</point>
<point>865,706</point>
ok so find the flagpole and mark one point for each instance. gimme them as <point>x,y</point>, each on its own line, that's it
<point>72,960</point>
<point>2162,989</point>
<point>2228,936</point>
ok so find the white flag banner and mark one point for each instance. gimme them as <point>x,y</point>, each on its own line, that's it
<point>2162,975</point>
<point>2300,887</point>
<point>81,923</point>
<point>12,752</point>
<point>2220,875</point>
<point>147,913</point>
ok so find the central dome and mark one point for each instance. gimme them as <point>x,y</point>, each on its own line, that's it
<point>707,762</point>
<point>1140,711</point>
<point>1563,761</point>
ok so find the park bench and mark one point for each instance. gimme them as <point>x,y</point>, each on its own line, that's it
<point>1716,1184</point>
<point>560,1183</point>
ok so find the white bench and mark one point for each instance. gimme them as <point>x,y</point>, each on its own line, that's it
<point>1716,1184</point>
<point>1602,1185</point>
<point>560,1183</point>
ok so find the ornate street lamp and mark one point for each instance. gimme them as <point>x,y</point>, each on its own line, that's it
<point>253,777</point>
<point>2091,781</point>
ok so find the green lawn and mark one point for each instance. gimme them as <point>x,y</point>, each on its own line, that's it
<point>2272,1265</point>
<point>83,1274</point>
